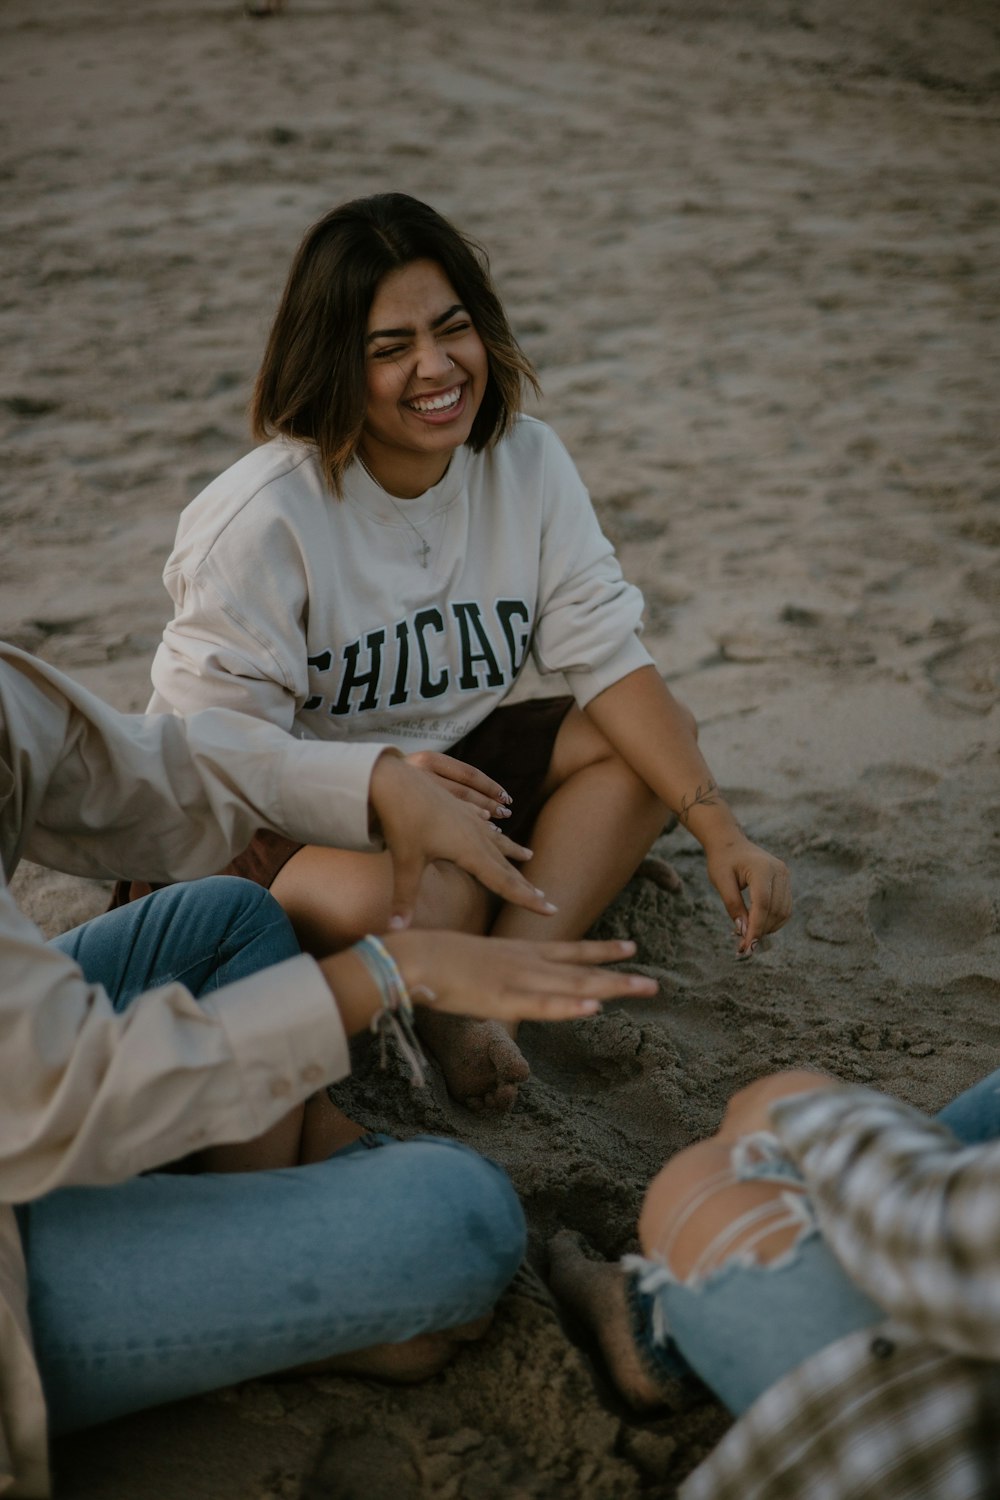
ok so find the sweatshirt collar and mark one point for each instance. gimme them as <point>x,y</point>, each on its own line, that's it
<point>365,494</point>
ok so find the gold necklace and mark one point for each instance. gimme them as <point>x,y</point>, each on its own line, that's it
<point>424,550</point>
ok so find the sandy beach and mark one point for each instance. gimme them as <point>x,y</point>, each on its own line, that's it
<point>754,252</point>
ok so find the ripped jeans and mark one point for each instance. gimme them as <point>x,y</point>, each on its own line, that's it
<point>743,1326</point>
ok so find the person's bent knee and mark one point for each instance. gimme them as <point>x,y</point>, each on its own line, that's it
<point>673,1186</point>
<point>229,893</point>
<point>480,1221</point>
<point>749,1109</point>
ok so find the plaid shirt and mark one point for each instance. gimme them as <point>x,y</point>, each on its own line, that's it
<point>908,1409</point>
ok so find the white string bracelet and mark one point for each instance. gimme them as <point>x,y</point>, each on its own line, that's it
<point>396,1015</point>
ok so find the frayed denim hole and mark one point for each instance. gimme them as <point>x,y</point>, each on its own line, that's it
<point>658,1353</point>
<point>760,1157</point>
<point>747,1261</point>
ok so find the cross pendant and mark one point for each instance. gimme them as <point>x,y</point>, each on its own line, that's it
<point>423,552</point>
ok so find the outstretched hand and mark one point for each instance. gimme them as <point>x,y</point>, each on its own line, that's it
<point>420,821</point>
<point>508,979</point>
<point>739,866</point>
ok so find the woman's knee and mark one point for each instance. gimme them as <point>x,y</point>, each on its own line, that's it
<point>231,897</point>
<point>236,922</point>
<point>470,1207</point>
<point>676,1184</point>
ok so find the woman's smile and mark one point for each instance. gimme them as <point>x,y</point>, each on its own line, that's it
<point>427,371</point>
<point>438,407</point>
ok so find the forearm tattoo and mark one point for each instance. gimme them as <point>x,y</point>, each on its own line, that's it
<point>704,796</point>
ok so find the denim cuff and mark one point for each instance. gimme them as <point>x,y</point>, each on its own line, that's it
<point>661,1360</point>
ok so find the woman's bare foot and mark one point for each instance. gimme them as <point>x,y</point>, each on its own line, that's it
<point>481,1062</point>
<point>594,1290</point>
<point>403,1364</point>
<point>661,873</point>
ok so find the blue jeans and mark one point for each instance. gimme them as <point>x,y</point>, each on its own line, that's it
<point>170,1285</point>
<point>747,1325</point>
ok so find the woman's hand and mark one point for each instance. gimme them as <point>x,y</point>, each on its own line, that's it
<point>420,822</point>
<point>463,781</point>
<point>506,979</point>
<point>739,865</point>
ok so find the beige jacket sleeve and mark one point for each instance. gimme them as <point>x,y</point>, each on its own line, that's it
<point>88,1096</point>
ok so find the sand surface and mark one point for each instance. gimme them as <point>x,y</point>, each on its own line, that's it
<point>754,251</point>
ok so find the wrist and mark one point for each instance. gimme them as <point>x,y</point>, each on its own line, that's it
<point>408,950</point>
<point>353,990</point>
<point>383,788</point>
<point>715,827</point>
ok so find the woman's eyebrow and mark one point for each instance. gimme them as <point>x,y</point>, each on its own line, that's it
<point>402,333</point>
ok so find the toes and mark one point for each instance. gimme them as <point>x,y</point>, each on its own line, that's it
<point>661,874</point>
<point>507,1059</point>
<point>502,1099</point>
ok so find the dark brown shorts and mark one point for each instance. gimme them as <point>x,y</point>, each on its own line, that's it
<point>513,745</point>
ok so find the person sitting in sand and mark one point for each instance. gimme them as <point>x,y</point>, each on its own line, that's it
<point>829,1264</point>
<point>382,567</point>
<point>190,1022</point>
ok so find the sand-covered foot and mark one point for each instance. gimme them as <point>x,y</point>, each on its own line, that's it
<point>481,1062</point>
<point>594,1290</point>
<point>404,1364</point>
<point>661,872</point>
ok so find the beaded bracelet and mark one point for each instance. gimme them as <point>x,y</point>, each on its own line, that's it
<point>396,1014</point>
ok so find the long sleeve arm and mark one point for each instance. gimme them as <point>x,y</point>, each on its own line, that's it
<point>162,797</point>
<point>90,1096</point>
<point>589,616</point>
<point>912,1215</point>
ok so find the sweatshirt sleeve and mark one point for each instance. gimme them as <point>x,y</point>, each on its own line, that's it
<point>911,1213</point>
<point>589,617</point>
<point>212,655</point>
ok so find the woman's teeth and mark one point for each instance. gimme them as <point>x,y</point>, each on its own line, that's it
<point>436,403</point>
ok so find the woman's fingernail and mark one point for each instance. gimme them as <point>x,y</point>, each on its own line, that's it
<point>398,922</point>
<point>548,905</point>
<point>626,945</point>
<point>506,797</point>
<point>502,812</point>
<point>589,1007</point>
<point>640,982</point>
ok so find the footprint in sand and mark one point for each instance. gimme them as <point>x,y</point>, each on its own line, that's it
<point>897,783</point>
<point>923,919</point>
<point>969,675</point>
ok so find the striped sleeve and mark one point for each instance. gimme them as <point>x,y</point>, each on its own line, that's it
<point>911,1213</point>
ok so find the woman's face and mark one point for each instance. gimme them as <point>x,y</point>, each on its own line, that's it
<point>426,372</point>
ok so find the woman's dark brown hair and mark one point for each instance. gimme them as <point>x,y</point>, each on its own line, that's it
<point>312,382</point>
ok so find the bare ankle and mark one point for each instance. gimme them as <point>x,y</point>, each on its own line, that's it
<point>597,1293</point>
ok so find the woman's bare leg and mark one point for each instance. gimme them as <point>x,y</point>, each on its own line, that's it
<point>597,824</point>
<point>598,821</point>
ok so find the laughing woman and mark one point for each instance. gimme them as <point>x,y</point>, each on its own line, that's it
<point>383,565</point>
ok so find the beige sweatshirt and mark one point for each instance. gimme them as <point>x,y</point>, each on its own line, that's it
<point>330,618</point>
